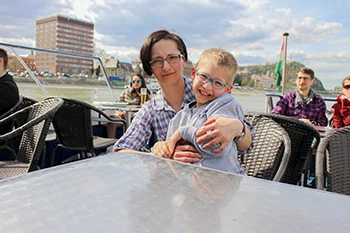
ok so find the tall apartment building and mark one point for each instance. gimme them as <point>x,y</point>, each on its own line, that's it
<point>64,34</point>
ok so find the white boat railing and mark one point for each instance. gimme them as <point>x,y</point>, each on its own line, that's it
<point>31,74</point>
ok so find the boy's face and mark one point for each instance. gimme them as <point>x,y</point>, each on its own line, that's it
<point>205,92</point>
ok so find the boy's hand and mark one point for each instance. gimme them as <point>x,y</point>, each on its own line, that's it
<point>174,140</point>
<point>161,149</point>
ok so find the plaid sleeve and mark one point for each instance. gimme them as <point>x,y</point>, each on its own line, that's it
<point>252,133</point>
<point>139,132</point>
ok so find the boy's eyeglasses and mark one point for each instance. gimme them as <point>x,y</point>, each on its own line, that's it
<point>218,84</point>
<point>171,59</point>
<point>347,87</point>
<point>136,81</point>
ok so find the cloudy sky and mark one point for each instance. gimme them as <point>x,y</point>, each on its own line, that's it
<point>250,29</point>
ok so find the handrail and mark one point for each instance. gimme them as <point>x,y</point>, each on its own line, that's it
<point>12,46</point>
<point>269,105</point>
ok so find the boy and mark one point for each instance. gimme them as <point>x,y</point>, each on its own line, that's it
<point>212,83</point>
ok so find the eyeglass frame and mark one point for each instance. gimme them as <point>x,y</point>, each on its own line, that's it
<point>136,81</point>
<point>162,60</point>
<point>211,80</point>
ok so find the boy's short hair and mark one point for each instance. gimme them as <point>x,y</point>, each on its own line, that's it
<point>347,78</point>
<point>146,49</point>
<point>308,71</point>
<point>220,58</point>
<point>4,55</point>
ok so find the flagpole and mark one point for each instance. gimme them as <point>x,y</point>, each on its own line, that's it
<point>285,35</point>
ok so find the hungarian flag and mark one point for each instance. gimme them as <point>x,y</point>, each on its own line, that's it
<point>279,69</point>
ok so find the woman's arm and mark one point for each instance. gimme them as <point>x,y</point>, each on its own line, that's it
<point>224,130</point>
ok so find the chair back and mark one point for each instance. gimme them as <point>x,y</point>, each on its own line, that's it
<point>270,155</point>
<point>304,138</point>
<point>333,161</point>
<point>39,117</point>
<point>14,108</point>
<point>72,123</point>
<point>5,128</point>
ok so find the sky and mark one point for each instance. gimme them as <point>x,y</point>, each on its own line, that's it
<point>252,30</point>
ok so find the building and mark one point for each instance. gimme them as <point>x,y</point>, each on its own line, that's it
<point>64,34</point>
<point>15,65</point>
<point>114,67</point>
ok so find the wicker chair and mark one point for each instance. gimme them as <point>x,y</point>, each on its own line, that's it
<point>33,135</point>
<point>269,158</point>
<point>333,161</point>
<point>304,138</point>
<point>8,144</point>
<point>73,128</point>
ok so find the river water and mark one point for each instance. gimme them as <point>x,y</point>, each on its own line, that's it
<point>252,101</point>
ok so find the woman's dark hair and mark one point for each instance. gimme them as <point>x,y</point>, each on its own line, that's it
<point>143,83</point>
<point>146,49</point>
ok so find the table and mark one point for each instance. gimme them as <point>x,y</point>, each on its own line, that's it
<point>131,192</point>
<point>128,109</point>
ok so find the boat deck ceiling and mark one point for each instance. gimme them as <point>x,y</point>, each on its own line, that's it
<point>130,192</point>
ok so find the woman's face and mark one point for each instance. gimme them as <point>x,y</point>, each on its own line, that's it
<point>136,82</point>
<point>346,88</point>
<point>169,74</point>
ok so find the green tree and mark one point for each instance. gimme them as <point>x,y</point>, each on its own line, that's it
<point>14,64</point>
<point>251,83</point>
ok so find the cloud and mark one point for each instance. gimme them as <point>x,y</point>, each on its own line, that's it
<point>250,29</point>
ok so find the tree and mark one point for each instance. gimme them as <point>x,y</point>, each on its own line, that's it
<point>14,64</point>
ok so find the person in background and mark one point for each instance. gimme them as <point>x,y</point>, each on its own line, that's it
<point>303,103</point>
<point>132,96</point>
<point>9,94</point>
<point>341,108</point>
<point>164,54</point>
<point>212,82</point>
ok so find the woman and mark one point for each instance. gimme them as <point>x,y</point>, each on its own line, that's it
<point>164,54</point>
<point>341,109</point>
<point>132,96</point>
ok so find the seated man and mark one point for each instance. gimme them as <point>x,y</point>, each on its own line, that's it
<point>303,103</point>
<point>8,89</point>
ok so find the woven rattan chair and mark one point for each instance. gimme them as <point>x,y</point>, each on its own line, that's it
<point>5,128</point>
<point>304,138</point>
<point>333,161</point>
<point>33,135</point>
<point>269,158</point>
<point>73,128</point>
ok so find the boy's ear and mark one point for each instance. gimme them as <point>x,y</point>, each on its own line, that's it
<point>193,73</point>
<point>228,88</point>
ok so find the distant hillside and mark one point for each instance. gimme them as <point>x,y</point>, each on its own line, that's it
<point>245,73</point>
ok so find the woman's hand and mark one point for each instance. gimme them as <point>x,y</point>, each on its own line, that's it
<point>223,130</point>
<point>186,153</point>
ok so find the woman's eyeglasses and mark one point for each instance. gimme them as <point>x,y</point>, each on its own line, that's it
<point>171,59</point>
<point>347,87</point>
<point>218,84</point>
<point>136,81</point>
